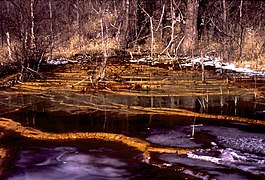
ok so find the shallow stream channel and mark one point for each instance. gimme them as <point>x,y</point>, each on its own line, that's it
<point>151,122</point>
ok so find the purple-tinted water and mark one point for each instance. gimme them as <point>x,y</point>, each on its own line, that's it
<point>67,163</point>
<point>226,153</point>
<point>224,150</point>
<point>99,163</point>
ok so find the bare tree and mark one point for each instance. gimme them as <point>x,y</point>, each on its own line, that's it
<point>241,29</point>
<point>152,32</point>
<point>8,41</point>
<point>51,29</point>
<point>190,29</point>
<point>8,38</point>
<point>172,27</point>
<point>32,18</point>
<point>224,52</point>
<point>78,23</point>
<point>125,25</point>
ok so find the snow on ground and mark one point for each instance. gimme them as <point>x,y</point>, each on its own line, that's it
<point>210,62</point>
<point>60,61</point>
<point>218,64</point>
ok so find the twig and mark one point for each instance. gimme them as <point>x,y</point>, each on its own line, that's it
<point>161,17</point>
<point>83,80</point>
<point>179,44</point>
<point>170,42</point>
<point>31,70</point>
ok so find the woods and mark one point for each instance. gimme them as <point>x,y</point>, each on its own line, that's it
<point>34,30</point>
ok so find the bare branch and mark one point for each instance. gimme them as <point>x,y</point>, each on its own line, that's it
<point>161,18</point>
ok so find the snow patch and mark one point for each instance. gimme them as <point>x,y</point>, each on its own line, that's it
<point>234,159</point>
<point>60,61</point>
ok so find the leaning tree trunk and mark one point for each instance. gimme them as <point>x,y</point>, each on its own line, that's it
<point>190,29</point>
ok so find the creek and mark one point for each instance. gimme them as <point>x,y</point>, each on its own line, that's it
<point>216,120</point>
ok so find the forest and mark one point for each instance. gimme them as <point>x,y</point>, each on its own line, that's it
<point>35,30</point>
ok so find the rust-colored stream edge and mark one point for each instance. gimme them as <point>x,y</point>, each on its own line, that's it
<point>3,155</point>
<point>143,146</point>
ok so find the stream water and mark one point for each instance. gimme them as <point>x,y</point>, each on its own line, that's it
<point>224,150</point>
<point>86,161</point>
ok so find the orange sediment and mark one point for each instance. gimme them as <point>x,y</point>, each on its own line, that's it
<point>3,154</point>
<point>137,143</point>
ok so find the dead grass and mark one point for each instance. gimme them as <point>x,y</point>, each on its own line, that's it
<point>3,54</point>
<point>82,45</point>
<point>253,52</point>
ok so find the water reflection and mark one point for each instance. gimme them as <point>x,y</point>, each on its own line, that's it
<point>242,106</point>
<point>67,163</point>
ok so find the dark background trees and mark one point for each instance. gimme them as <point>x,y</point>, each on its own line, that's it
<point>33,30</point>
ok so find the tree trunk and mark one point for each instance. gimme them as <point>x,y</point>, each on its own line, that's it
<point>33,45</point>
<point>203,70</point>
<point>9,46</point>
<point>190,29</point>
<point>152,37</point>
<point>241,29</point>
<point>225,32</point>
<point>51,29</point>
<point>224,13</point>
<point>8,37</point>
<point>77,6</point>
<point>173,22</point>
<point>161,22</point>
<point>152,33</point>
<point>104,44</point>
<point>125,28</point>
<point>138,19</point>
<point>2,30</point>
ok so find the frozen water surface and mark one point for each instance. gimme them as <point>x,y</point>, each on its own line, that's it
<point>232,148</point>
<point>67,163</point>
<point>180,136</point>
<point>173,138</point>
<point>237,139</point>
<point>93,163</point>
